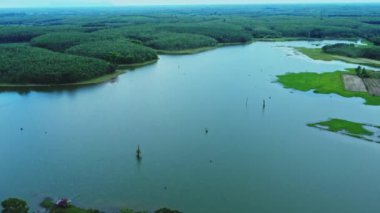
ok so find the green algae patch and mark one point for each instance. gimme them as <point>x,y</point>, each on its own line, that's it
<point>324,83</point>
<point>358,130</point>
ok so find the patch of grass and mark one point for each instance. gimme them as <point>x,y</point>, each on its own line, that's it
<point>324,83</point>
<point>318,54</point>
<point>352,129</point>
<point>338,125</point>
<point>315,53</point>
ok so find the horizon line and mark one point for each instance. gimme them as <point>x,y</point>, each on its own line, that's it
<point>186,4</point>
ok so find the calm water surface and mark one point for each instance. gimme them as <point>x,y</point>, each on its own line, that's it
<point>81,142</point>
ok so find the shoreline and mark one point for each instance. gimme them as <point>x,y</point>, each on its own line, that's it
<point>318,54</point>
<point>122,68</point>
<point>201,49</point>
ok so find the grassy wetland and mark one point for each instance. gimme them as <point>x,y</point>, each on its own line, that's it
<point>324,83</point>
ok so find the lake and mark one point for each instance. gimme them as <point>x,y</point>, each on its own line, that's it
<point>81,142</point>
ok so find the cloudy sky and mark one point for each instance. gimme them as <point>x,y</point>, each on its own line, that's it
<point>73,3</point>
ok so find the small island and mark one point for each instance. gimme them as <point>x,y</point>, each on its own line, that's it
<point>363,131</point>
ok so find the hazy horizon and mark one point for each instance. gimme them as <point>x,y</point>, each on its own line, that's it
<point>116,3</point>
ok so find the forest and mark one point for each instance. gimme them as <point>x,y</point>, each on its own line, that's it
<point>352,51</point>
<point>55,46</point>
<point>120,51</point>
<point>22,64</point>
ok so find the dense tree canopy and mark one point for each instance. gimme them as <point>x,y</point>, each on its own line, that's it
<point>22,64</point>
<point>350,50</point>
<point>126,35</point>
<point>180,41</point>
<point>14,205</point>
<point>19,33</point>
<point>223,33</point>
<point>60,41</point>
<point>119,51</point>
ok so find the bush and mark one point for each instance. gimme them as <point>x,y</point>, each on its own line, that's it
<point>166,210</point>
<point>14,205</point>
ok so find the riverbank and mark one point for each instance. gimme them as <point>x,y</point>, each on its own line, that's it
<point>201,49</point>
<point>123,68</point>
<point>101,79</point>
<point>318,54</point>
<point>314,53</point>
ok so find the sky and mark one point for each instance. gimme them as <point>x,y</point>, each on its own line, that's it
<point>80,3</point>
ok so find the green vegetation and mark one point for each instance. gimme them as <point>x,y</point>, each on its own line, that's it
<point>60,41</point>
<point>10,34</point>
<point>131,211</point>
<point>350,128</point>
<point>362,72</point>
<point>324,83</point>
<point>49,205</point>
<point>22,64</point>
<point>316,53</point>
<point>319,54</point>
<point>363,54</point>
<point>125,35</point>
<point>337,125</point>
<point>115,51</point>
<point>222,32</point>
<point>352,51</point>
<point>166,210</point>
<point>375,40</point>
<point>180,41</point>
<point>14,205</point>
